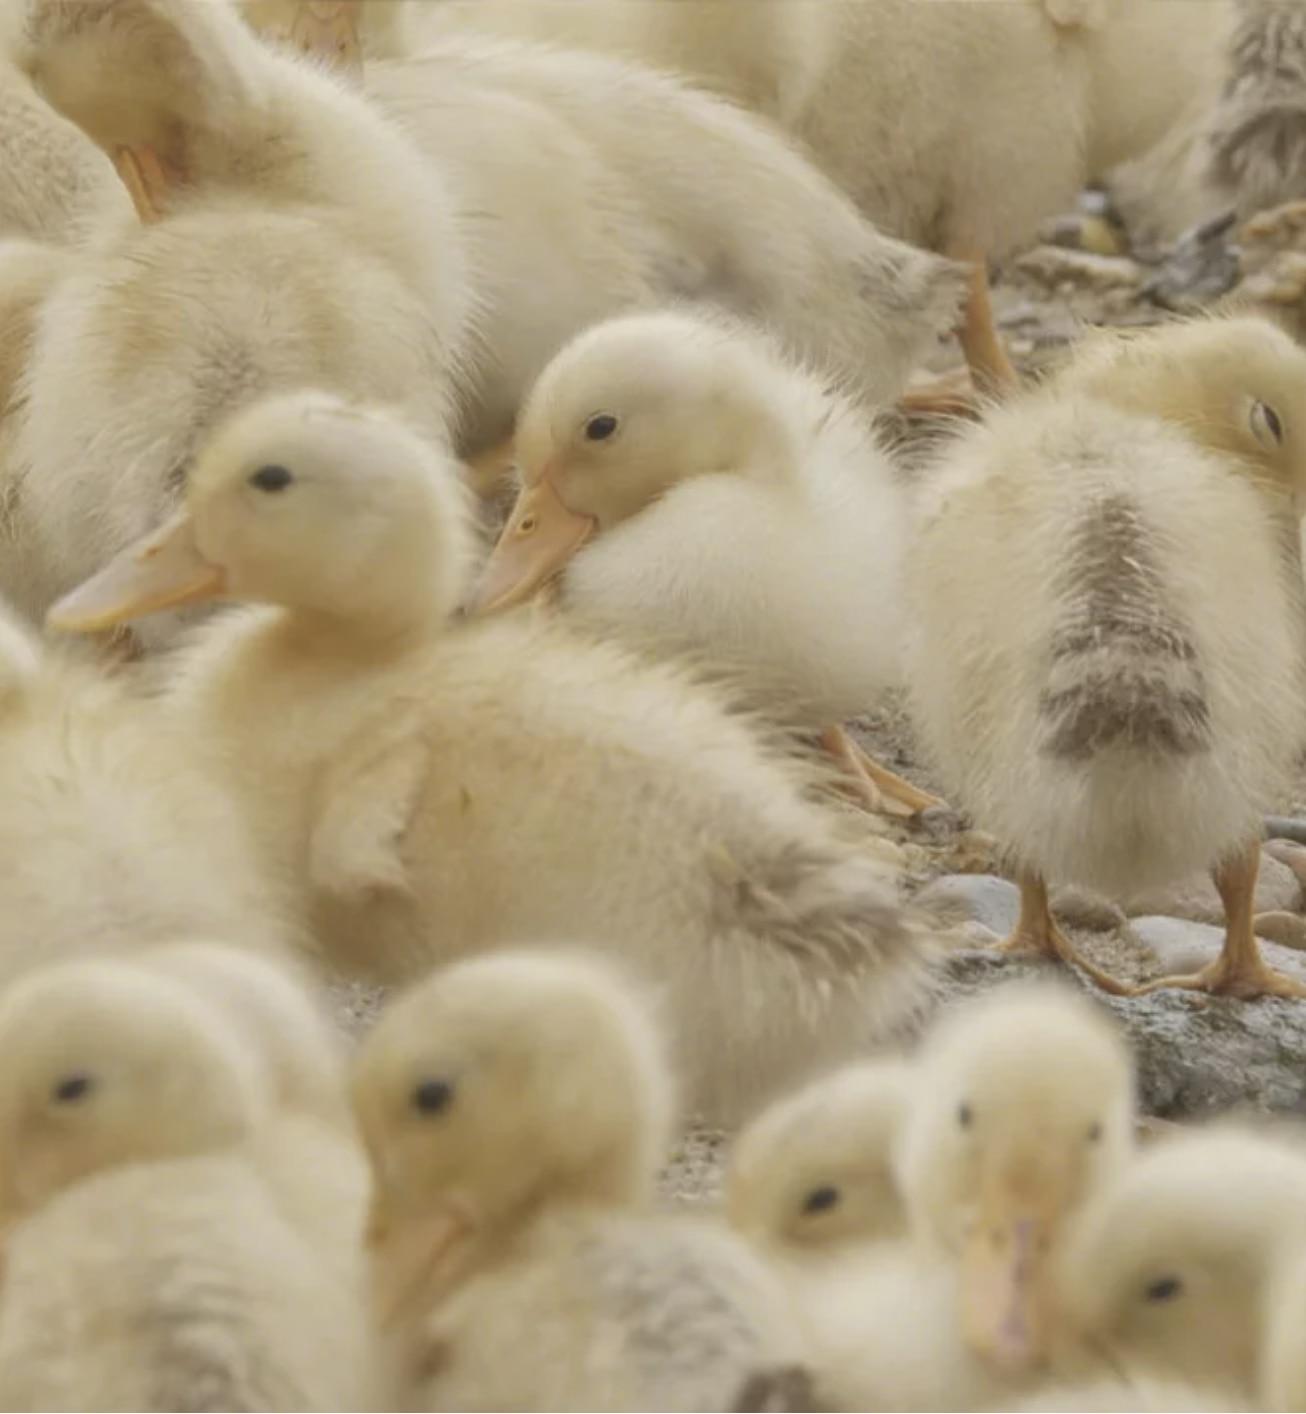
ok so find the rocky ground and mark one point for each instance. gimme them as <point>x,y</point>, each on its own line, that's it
<point>1196,1056</point>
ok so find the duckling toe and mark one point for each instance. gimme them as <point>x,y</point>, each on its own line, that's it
<point>1244,977</point>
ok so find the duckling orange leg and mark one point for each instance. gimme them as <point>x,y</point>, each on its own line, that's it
<point>877,787</point>
<point>991,371</point>
<point>1036,932</point>
<point>1240,970</point>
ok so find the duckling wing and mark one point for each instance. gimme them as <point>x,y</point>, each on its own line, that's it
<point>367,802</point>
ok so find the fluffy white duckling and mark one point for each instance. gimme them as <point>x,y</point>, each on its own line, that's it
<point>1175,1270</point>
<point>115,822</point>
<point>1108,662</point>
<point>516,1109</point>
<point>687,483</point>
<point>813,1175</point>
<point>1021,1106</point>
<point>427,789</point>
<point>159,1254</point>
<point>1281,1373</point>
<point>430,248</point>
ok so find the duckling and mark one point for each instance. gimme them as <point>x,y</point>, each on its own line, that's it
<point>107,1064</point>
<point>1024,1108</point>
<point>515,1108</point>
<point>813,1174</point>
<point>151,1261</point>
<point>425,788</point>
<point>116,827</point>
<point>342,32</point>
<point>1018,1107</point>
<point>290,244</point>
<point>1172,1270</point>
<point>1108,663</point>
<point>688,482</point>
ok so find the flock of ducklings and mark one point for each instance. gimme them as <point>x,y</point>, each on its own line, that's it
<point>299,282</point>
<point>208,1205</point>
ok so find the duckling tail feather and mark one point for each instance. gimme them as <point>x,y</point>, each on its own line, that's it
<point>1124,672</point>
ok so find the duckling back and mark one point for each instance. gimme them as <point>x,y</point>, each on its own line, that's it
<point>1108,657</point>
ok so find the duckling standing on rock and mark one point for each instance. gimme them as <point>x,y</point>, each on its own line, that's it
<point>690,484</point>
<point>424,788</point>
<point>1109,663</point>
<point>516,1109</point>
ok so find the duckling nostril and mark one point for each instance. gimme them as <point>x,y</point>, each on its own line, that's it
<point>527,526</point>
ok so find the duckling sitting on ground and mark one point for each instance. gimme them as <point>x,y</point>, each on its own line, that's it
<point>1108,660</point>
<point>516,1108</point>
<point>691,484</point>
<point>1177,1268</point>
<point>396,768</point>
<point>1019,1105</point>
<point>170,1242</point>
<point>813,1175</point>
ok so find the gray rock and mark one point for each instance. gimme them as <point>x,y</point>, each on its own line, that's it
<point>985,899</point>
<point>1081,908</point>
<point>1180,945</point>
<point>1277,889</point>
<point>1286,929</point>
<point>1197,1056</point>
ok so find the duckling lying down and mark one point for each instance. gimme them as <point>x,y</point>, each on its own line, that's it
<point>686,482</point>
<point>1109,659</point>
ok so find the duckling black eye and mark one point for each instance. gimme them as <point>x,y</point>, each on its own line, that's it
<point>72,1088</point>
<point>821,1200</point>
<point>271,478</point>
<point>601,427</point>
<point>1094,1133</point>
<point>432,1096</point>
<point>1265,424</point>
<point>1164,1289</point>
<point>965,1115</point>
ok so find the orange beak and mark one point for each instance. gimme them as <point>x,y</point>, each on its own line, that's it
<point>406,1256</point>
<point>164,571</point>
<point>539,539</point>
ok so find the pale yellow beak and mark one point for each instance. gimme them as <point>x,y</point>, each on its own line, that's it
<point>539,539</point>
<point>164,571</point>
<point>328,28</point>
<point>405,1256</point>
<point>1005,1290</point>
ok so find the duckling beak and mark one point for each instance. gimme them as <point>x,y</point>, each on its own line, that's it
<point>164,571</point>
<point>406,1255</point>
<point>539,539</point>
<point>1005,1298</point>
<point>328,28</point>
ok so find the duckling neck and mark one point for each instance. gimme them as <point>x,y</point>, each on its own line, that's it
<point>389,630</point>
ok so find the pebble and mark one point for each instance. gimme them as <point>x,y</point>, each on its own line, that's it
<point>1179,945</point>
<point>1288,930</point>
<point>985,899</point>
<point>1082,908</point>
<point>1278,889</point>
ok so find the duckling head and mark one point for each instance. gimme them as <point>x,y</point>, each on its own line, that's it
<point>1168,1269</point>
<point>1236,385</point>
<point>506,1083</point>
<point>306,502</point>
<point>626,411</point>
<point>1023,1106</point>
<point>815,1170</point>
<point>106,1064</point>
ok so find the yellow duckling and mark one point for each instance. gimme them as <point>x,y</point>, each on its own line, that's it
<point>690,484</point>
<point>516,1108</point>
<point>163,1248</point>
<point>1176,1270</point>
<point>813,1175</point>
<point>1015,1110</point>
<point>1108,658</point>
<point>425,789</point>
